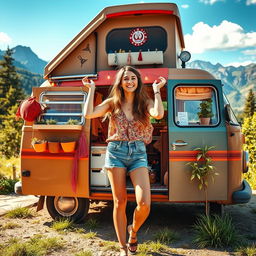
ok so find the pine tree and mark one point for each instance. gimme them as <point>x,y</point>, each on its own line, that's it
<point>9,80</point>
<point>249,107</point>
<point>11,93</point>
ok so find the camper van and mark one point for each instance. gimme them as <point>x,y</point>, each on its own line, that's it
<point>149,37</point>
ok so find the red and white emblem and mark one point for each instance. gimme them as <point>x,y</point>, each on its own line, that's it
<point>138,36</point>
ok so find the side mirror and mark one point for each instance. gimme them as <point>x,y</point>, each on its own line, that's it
<point>227,112</point>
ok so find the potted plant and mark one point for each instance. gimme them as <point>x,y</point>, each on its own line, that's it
<point>205,112</point>
<point>39,145</point>
<point>51,121</point>
<point>68,145</point>
<point>54,146</point>
<point>201,170</point>
<point>72,122</point>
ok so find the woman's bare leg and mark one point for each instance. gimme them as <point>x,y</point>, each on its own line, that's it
<point>117,178</point>
<point>140,180</point>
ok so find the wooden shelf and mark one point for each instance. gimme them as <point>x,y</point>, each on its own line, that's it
<point>57,127</point>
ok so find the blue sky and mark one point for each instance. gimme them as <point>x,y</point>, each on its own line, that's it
<point>219,31</point>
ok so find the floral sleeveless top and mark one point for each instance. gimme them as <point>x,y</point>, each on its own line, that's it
<point>121,129</point>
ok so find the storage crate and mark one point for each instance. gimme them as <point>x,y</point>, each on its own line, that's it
<point>98,154</point>
<point>99,177</point>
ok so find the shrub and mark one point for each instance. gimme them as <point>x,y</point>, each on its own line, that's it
<point>215,231</point>
<point>7,185</point>
<point>249,130</point>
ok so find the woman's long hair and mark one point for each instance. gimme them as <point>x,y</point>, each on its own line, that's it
<point>141,97</point>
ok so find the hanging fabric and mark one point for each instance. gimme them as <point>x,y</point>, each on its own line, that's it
<point>81,151</point>
<point>116,59</point>
<point>129,58</point>
<point>140,56</point>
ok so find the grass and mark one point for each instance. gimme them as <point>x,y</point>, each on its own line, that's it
<point>151,247</point>
<point>110,245</point>
<point>84,253</point>
<point>90,235</point>
<point>247,251</point>
<point>20,212</point>
<point>36,246</point>
<point>10,225</point>
<point>62,225</point>
<point>166,236</point>
<point>215,231</point>
<point>91,224</point>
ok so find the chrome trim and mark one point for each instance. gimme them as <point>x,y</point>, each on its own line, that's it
<point>69,77</point>
<point>66,206</point>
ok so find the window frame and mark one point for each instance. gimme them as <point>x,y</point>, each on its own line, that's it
<point>199,125</point>
<point>65,93</point>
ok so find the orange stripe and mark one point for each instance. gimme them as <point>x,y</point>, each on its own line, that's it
<point>52,157</point>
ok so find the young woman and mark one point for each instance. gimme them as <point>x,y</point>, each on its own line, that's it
<point>128,108</point>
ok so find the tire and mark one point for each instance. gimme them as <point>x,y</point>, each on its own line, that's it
<point>73,208</point>
<point>216,209</point>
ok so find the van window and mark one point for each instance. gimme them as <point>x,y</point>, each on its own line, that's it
<point>63,106</point>
<point>196,106</point>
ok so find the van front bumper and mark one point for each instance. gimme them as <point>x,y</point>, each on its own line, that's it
<point>244,195</point>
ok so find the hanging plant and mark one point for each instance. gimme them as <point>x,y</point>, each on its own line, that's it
<point>202,169</point>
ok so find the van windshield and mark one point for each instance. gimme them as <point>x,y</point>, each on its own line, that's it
<point>196,106</point>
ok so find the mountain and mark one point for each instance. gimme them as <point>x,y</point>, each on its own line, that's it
<point>237,81</point>
<point>29,67</point>
<point>25,58</point>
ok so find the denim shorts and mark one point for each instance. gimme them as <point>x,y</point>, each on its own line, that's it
<point>126,154</point>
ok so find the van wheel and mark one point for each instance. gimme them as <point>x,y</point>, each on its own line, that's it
<point>72,208</point>
<point>215,208</point>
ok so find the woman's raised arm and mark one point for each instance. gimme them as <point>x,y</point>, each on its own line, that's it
<point>156,108</point>
<point>89,110</point>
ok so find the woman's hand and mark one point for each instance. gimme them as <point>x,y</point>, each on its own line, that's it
<point>88,83</point>
<point>158,85</point>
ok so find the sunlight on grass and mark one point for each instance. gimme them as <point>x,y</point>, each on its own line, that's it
<point>247,251</point>
<point>20,212</point>
<point>84,253</point>
<point>151,247</point>
<point>62,225</point>
<point>110,245</point>
<point>36,246</point>
<point>90,235</point>
<point>10,225</point>
<point>165,236</point>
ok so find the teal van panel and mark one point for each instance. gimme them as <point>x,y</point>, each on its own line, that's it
<point>181,188</point>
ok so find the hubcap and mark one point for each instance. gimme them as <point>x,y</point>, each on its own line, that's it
<point>66,206</point>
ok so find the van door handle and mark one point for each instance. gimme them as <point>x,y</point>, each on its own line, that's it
<point>178,144</point>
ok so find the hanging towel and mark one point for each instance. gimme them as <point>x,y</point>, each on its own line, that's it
<point>81,151</point>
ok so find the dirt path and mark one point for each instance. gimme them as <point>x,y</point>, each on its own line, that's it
<point>177,217</point>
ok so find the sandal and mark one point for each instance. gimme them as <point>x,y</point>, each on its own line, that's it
<point>133,244</point>
<point>123,251</point>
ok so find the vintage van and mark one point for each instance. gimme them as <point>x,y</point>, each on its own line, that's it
<point>149,37</point>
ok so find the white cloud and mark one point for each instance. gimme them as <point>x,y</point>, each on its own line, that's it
<point>185,6</point>
<point>226,36</point>
<point>249,2</point>
<point>250,52</point>
<point>211,2</point>
<point>238,64</point>
<point>4,38</point>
